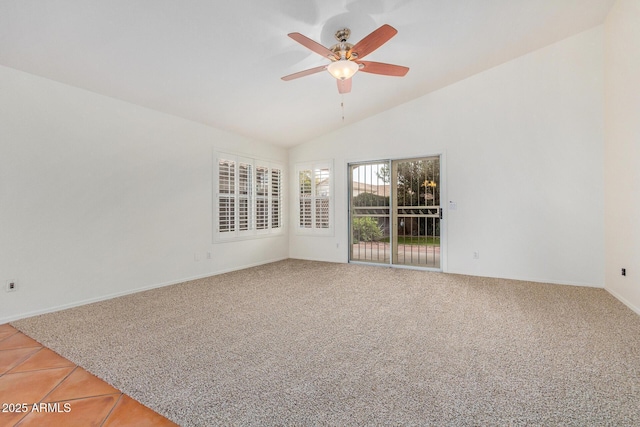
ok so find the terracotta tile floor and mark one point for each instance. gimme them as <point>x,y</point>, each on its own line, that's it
<point>40,388</point>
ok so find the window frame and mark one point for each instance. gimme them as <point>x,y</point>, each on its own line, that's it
<point>315,169</point>
<point>247,190</point>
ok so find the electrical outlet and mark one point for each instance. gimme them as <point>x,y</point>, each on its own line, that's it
<point>476,255</point>
<point>12,285</point>
<point>624,272</point>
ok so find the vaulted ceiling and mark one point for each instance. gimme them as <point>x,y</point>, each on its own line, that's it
<point>220,62</point>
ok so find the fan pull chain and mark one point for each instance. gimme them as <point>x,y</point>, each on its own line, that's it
<point>342,105</point>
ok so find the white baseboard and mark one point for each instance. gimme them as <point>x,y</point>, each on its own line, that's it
<point>521,279</point>
<point>4,320</point>
<point>557,282</point>
<point>318,259</point>
<point>623,300</point>
<point>532,279</point>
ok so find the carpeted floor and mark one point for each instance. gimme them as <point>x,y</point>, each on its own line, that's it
<point>310,343</point>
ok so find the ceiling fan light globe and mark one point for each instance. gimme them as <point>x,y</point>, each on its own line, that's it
<point>343,69</point>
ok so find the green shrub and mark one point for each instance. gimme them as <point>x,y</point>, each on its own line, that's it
<point>366,229</point>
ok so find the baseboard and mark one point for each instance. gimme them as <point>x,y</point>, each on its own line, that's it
<point>531,279</point>
<point>229,270</point>
<point>318,259</point>
<point>623,300</point>
<point>4,320</point>
<point>557,282</point>
<point>521,279</point>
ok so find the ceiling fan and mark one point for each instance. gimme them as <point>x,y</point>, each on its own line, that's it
<point>346,58</point>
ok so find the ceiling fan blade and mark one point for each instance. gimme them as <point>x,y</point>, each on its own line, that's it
<point>304,73</point>
<point>373,41</point>
<point>382,68</point>
<point>344,86</point>
<point>314,46</point>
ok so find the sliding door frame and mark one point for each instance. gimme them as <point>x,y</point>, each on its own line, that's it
<point>393,203</point>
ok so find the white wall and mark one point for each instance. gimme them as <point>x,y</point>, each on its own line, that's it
<point>523,148</point>
<point>622,151</point>
<point>99,197</point>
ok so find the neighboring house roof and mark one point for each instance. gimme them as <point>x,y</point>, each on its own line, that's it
<point>363,187</point>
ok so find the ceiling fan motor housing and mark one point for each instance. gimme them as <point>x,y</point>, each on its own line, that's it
<point>342,48</point>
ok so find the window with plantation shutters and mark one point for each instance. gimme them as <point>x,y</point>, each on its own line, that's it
<point>306,200</point>
<point>226,195</point>
<point>248,197</point>
<point>262,197</point>
<point>315,199</point>
<point>322,198</point>
<point>245,181</point>
<point>276,198</point>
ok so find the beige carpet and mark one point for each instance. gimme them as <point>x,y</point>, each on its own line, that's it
<point>311,343</point>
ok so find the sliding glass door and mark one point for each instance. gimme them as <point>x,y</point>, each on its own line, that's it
<point>395,212</point>
<point>370,212</point>
<point>416,212</point>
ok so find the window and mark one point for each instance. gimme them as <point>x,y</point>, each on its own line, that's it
<point>315,195</point>
<point>244,196</point>
<point>248,197</point>
<point>226,192</point>
<point>262,198</point>
<point>276,198</point>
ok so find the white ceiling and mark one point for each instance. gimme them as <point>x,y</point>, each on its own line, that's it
<point>220,62</point>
